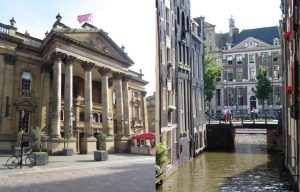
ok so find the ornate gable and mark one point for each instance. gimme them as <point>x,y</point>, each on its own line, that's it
<point>98,39</point>
<point>251,43</point>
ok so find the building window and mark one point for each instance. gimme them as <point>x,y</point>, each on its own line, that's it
<point>168,21</point>
<point>26,83</point>
<point>194,102</point>
<point>218,97</point>
<point>95,118</point>
<point>230,74</point>
<point>251,58</point>
<point>277,95</point>
<point>252,73</point>
<point>169,117</point>
<point>275,56</point>
<point>240,96</point>
<point>24,121</point>
<point>276,41</point>
<point>114,97</point>
<point>276,72</point>
<point>239,74</point>
<point>229,60</point>
<point>265,57</point>
<point>230,97</point>
<point>136,113</point>
<point>81,116</point>
<point>62,115</point>
<point>239,59</point>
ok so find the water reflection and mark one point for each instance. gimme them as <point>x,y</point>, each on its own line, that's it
<point>248,168</point>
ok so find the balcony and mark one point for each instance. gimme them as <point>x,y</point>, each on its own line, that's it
<point>4,28</point>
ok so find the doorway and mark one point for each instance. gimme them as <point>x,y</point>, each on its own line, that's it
<point>252,102</point>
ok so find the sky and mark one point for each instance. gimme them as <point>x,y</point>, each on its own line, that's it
<point>130,23</point>
<point>248,14</point>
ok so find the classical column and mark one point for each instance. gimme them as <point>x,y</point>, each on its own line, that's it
<point>68,96</point>
<point>119,103</point>
<point>45,86</point>
<point>145,112</point>
<point>106,117</point>
<point>88,102</point>
<point>126,105</point>
<point>56,95</point>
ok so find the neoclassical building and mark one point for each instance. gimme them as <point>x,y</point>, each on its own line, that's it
<point>75,82</point>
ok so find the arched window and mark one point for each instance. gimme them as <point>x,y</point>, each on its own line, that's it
<point>26,83</point>
<point>178,16</point>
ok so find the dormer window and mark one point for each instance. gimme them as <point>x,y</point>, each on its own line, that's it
<point>276,41</point>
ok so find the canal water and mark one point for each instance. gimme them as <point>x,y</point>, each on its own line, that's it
<point>248,168</point>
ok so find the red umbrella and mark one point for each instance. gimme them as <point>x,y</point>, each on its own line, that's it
<point>144,136</point>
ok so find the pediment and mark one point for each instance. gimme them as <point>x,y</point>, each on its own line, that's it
<point>25,102</point>
<point>96,38</point>
<point>251,43</point>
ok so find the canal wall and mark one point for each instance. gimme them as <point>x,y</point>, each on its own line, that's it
<point>274,140</point>
<point>220,136</point>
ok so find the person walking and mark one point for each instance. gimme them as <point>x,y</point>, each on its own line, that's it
<point>225,114</point>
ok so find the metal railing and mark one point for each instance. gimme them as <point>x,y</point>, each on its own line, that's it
<point>4,28</point>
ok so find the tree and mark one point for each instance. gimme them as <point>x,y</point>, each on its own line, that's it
<point>211,72</point>
<point>263,87</point>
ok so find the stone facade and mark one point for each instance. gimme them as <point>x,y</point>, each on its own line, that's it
<point>75,83</point>
<point>243,53</point>
<point>151,112</point>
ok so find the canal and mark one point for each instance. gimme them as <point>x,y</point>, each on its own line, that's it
<point>248,168</point>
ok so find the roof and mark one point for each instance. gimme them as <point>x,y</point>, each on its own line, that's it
<point>265,34</point>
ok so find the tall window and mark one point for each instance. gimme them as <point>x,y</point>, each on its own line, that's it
<point>276,72</point>
<point>26,83</point>
<point>136,112</point>
<point>230,97</point>
<point>240,96</point>
<point>229,60</point>
<point>265,57</point>
<point>252,73</point>
<point>251,57</point>
<point>230,74</point>
<point>168,21</point>
<point>218,97</point>
<point>276,95</point>
<point>275,56</point>
<point>239,74</point>
<point>239,59</point>
<point>24,120</point>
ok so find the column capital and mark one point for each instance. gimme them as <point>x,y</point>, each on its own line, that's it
<point>56,56</point>
<point>10,59</point>
<point>87,66</point>
<point>104,71</point>
<point>118,75</point>
<point>46,68</point>
<point>68,59</point>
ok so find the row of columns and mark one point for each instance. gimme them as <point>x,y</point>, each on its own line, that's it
<point>60,58</point>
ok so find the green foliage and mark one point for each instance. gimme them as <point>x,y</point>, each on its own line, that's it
<point>211,72</point>
<point>263,87</point>
<point>37,134</point>
<point>161,154</point>
<point>183,134</point>
<point>101,139</point>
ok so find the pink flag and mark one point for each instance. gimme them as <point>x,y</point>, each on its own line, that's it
<point>84,18</point>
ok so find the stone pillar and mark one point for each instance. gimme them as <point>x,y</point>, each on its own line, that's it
<point>68,96</point>
<point>145,112</point>
<point>88,144</point>
<point>7,88</point>
<point>56,95</point>
<point>68,101</point>
<point>126,106</point>
<point>45,86</point>
<point>105,101</point>
<point>119,103</point>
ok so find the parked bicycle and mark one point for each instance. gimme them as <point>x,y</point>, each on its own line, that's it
<point>14,161</point>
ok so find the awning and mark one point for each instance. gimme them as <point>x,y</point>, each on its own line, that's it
<point>144,136</point>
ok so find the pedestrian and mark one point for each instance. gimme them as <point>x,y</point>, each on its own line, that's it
<point>225,114</point>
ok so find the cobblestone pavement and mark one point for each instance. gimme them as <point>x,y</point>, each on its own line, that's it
<point>80,173</point>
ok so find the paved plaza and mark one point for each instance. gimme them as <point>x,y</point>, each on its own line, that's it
<point>80,173</point>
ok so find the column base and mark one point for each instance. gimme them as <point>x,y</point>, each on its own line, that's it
<point>71,144</point>
<point>88,145</point>
<point>109,145</point>
<point>122,144</point>
<point>55,146</point>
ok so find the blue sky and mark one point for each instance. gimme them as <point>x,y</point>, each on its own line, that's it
<point>129,23</point>
<point>248,14</point>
